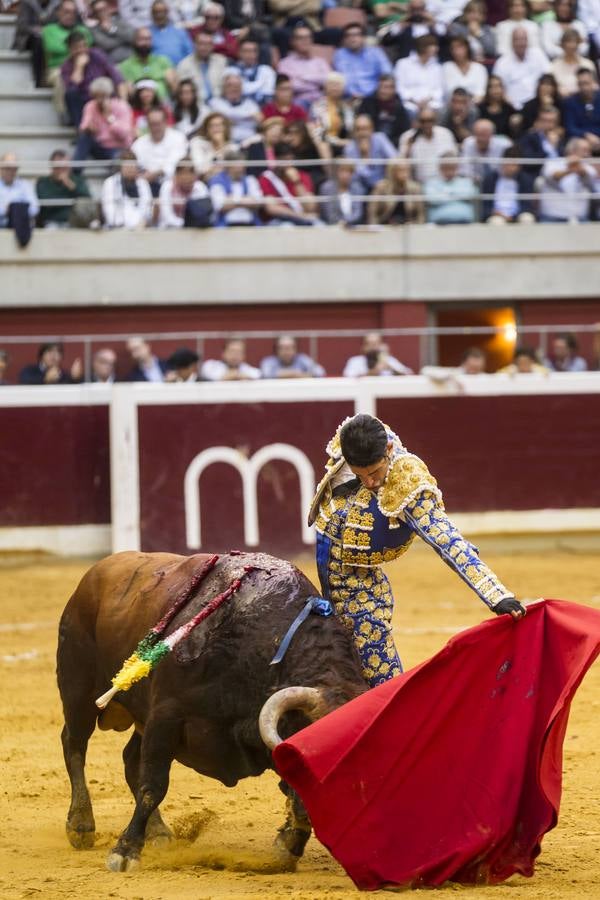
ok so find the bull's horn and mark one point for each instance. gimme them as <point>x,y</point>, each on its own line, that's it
<point>309,700</point>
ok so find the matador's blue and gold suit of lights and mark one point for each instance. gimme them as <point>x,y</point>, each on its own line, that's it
<point>358,530</point>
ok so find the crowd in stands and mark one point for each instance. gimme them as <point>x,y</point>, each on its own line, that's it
<point>210,113</point>
<point>286,361</point>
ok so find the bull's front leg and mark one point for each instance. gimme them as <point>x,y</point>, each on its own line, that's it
<point>159,746</point>
<point>294,834</point>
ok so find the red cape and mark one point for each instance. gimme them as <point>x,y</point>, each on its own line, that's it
<point>453,770</point>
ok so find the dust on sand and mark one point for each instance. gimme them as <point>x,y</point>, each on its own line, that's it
<point>231,856</point>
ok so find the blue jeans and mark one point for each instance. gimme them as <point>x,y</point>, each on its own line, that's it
<point>87,147</point>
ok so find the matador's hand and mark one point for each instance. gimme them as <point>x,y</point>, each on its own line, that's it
<point>511,606</point>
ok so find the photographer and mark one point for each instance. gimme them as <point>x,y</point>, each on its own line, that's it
<point>374,360</point>
<point>400,36</point>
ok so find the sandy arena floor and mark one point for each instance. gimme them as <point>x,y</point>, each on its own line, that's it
<point>230,858</point>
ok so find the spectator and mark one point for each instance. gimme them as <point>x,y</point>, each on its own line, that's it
<point>184,199</point>
<point>84,66</point>
<point>183,366</point>
<point>401,37</point>
<point>287,14</point>
<point>282,104</point>
<point>32,16</point>
<point>106,126</point>
<point>3,367</point>
<point>204,67</point>
<point>258,81</point>
<point>249,19</point>
<point>343,190</point>
<point>224,41</point>
<point>292,192</point>
<point>473,26</point>
<point>543,141</point>
<point>211,144</point>
<point>287,362</point>
<point>419,77</point>
<point>104,362</point>
<point>582,110</point>
<point>187,112</point>
<point>386,110</point>
<point>145,98</point>
<point>564,180</point>
<point>525,362</point>
<point>236,196</point>
<point>375,359</point>
<point>306,71</point>
<point>13,191</point>
<point>397,183</point>
<point>185,13</point>
<point>425,143</point>
<point>521,67</point>
<point>146,366</point>
<point>460,115</point>
<point>589,13</point>
<point>263,147</point>
<point>506,186</point>
<point>483,144</point>
<point>243,115</point>
<point>449,196</point>
<point>473,362</point>
<point>232,366</point>
<point>60,184</point>
<point>126,196</point>
<point>304,141</point>
<point>168,40</point>
<point>462,72</point>
<point>54,38</point>
<point>564,356</point>
<point>497,109</point>
<point>554,29</point>
<point>111,33</point>
<point>143,64</point>
<point>361,65</point>
<point>159,151</point>
<point>566,66</point>
<point>367,144</point>
<point>517,19</point>
<point>48,369</point>
<point>136,12</point>
<point>333,116</point>
<point>546,97</point>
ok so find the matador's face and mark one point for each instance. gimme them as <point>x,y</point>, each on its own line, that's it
<point>373,476</point>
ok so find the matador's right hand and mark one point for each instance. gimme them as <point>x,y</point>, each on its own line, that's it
<point>511,606</point>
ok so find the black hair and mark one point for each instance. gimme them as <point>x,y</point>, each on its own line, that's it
<point>529,352</point>
<point>49,346</point>
<point>472,352</point>
<point>283,149</point>
<point>351,26</point>
<point>75,37</point>
<point>178,108</point>
<point>364,441</point>
<point>282,79</point>
<point>182,358</point>
<point>569,339</point>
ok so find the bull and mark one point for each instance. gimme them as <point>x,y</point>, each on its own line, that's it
<point>215,704</point>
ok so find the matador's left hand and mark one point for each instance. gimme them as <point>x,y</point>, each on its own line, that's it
<point>511,606</point>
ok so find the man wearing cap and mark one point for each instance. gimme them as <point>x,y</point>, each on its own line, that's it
<point>374,498</point>
<point>14,190</point>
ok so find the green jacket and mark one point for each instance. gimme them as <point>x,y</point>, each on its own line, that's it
<point>48,188</point>
<point>54,40</point>
<point>154,66</point>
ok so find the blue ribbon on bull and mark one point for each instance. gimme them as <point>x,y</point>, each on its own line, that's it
<point>317,605</point>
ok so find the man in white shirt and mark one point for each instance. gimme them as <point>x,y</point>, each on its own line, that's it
<point>232,366</point>
<point>564,182</point>
<point>159,151</point>
<point>484,142</point>
<point>14,189</point>
<point>521,69</point>
<point>419,76</point>
<point>425,143</point>
<point>243,114</point>
<point>375,359</point>
<point>258,81</point>
<point>204,67</point>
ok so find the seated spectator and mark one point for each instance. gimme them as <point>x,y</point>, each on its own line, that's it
<point>159,151</point>
<point>506,186</point>
<point>546,97</point>
<point>460,116</point>
<point>84,66</point>
<point>270,133</point>
<point>517,19</point>
<point>211,144</point>
<point>566,66</point>
<point>306,71</point>
<point>292,192</point>
<point>386,110</point>
<point>232,366</point>
<point>248,18</point>
<point>419,77</point>
<point>449,196</point>
<point>425,143</point>
<point>143,65</point>
<point>397,183</point>
<point>185,13</point>
<point>111,33</point>
<point>145,98</point>
<point>343,191</point>
<point>564,356</point>
<point>287,362</point>
<point>187,111</point>
<point>361,65</point>
<point>332,116</point>
<point>183,366</point>
<point>49,370</point>
<point>483,144</point>
<point>553,30</point>
<point>236,197</point>
<point>54,38</point>
<point>496,108</point>
<point>473,362</point>
<point>374,359</point>
<point>563,181</point>
<point>282,104</point>
<point>367,144</point>
<point>126,196</point>
<point>306,144</point>
<point>184,200</point>
<point>462,72</point>
<point>472,25</point>
<point>13,191</point>
<point>525,362</point>
<point>137,13</point>
<point>224,41</point>
<point>258,81</point>
<point>31,19</point>
<point>146,366</point>
<point>582,110</point>
<point>400,37</point>
<point>104,363</point>
<point>544,141</point>
<point>204,67</point>
<point>521,67</point>
<point>243,115</point>
<point>106,126</point>
<point>589,13</point>
<point>168,40</point>
<point>60,184</point>
<point>287,14</point>
<point>3,367</point>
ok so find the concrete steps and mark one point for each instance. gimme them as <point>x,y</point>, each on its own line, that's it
<point>34,142</point>
<point>7,31</point>
<point>27,107</point>
<point>15,71</point>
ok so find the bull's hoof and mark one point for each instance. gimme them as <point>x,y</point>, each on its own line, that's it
<point>293,840</point>
<point>287,861</point>
<point>116,862</point>
<point>82,837</point>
